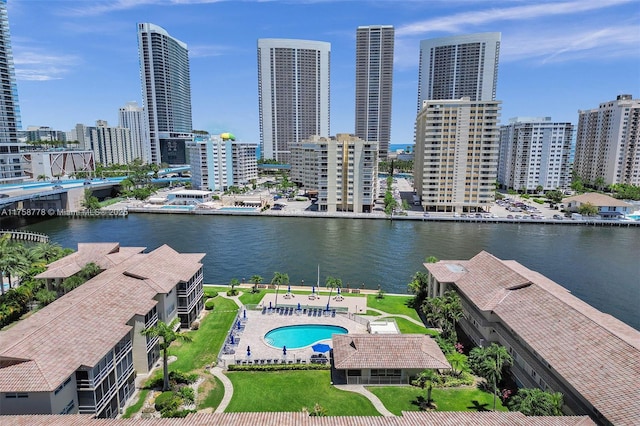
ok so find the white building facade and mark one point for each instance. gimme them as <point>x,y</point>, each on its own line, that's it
<point>456,155</point>
<point>608,143</point>
<point>293,93</point>
<point>535,151</point>
<point>374,85</point>
<point>244,163</point>
<point>343,169</point>
<point>133,117</point>
<point>166,93</point>
<point>209,165</point>
<point>110,145</point>
<point>459,66</point>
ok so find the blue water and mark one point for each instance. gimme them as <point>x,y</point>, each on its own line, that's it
<point>633,216</point>
<point>178,207</point>
<point>300,336</point>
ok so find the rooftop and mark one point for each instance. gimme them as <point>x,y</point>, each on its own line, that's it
<point>598,200</point>
<point>598,355</point>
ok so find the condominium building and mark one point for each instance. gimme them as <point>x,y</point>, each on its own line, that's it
<point>558,343</point>
<point>43,134</point>
<point>110,145</point>
<point>293,93</point>
<point>133,117</point>
<point>456,155</point>
<point>166,94</point>
<point>343,169</point>
<point>11,164</point>
<point>374,85</point>
<point>210,164</point>
<point>535,151</point>
<point>218,163</point>
<point>244,163</point>
<point>81,353</point>
<point>459,66</point>
<point>608,143</point>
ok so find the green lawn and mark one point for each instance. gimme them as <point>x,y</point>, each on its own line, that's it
<point>249,298</point>
<point>405,398</point>
<point>291,391</point>
<point>207,341</point>
<point>212,391</point>
<point>393,305</point>
<point>408,327</point>
<point>132,409</point>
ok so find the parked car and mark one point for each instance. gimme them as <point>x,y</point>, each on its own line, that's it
<point>57,186</point>
<point>509,216</point>
<point>557,217</point>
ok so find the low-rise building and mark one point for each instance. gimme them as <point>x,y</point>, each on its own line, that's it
<point>81,353</point>
<point>189,196</point>
<point>558,342</point>
<point>54,164</point>
<point>385,359</point>
<point>608,207</point>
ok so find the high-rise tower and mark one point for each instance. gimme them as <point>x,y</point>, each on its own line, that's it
<point>12,164</point>
<point>374,80</point>
<point>133,117</point>
<point>459,66</point>
<point>293,93</point>
<point>166,93</point>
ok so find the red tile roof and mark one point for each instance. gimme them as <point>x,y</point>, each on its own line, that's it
<point>387,351</point>
<point>302,419</point>
<point>598,355</point>
<point>80,327</point>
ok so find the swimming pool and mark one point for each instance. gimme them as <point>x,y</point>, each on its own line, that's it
<point>300,336</point>
<point>178,207</point>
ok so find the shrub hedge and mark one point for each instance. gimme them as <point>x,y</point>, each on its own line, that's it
<point>278,367</point>
<point>209,305</point>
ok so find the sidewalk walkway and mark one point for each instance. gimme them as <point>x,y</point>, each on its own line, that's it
<point>374,399</point>
<point>228,389</point>
<point>384,314</point>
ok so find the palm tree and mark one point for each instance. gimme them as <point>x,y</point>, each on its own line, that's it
<point>426,379</point>
<point>48,252</point>
<point>89,271</point>
<point>558,402</point>
<point>12,260</point>
<point>167,335</point>
<point>419,286</point>
<point>332,283</point>
<point>72,282</point>
<point>44,296</point>
<point>279,279</point>
<point>256,280</point>
<point>233,283</point>
<point>43,177</point>
<point>489,363</point>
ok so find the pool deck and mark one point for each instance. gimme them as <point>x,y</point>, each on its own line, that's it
<point>258,324</point>
<point>353,304</point>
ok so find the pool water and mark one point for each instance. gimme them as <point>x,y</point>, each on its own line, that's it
<point>300,336</point>
<point>177,207</point>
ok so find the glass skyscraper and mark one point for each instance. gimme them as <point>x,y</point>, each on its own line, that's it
<point>374,81</point>
<point>166,94</point>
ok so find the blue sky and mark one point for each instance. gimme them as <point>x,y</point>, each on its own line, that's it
<point>77,61</point>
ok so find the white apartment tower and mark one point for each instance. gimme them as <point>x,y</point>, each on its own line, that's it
<point>166,93</point>
<point>343,169</point>
<point>11,162</point>
<point>110,145</point>
<point>209,163</point>
<point>244,162</point>
<point>133,117</point>
<point>456,154</point>
<point>293,93</point>
<point>374,85</point>
<point>459,66</point>
<point>608,143</point>
<point>535,151</point>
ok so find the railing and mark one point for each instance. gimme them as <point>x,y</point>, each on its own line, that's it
<point>124,350</point>
<point>151,343</point>
<point>152,321</point>
<point>26,236</point>
<point>359,380</point>
<point>123,377</point>
<point>91,383</point>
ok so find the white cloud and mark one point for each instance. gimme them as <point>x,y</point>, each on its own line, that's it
<point>41,65</point>
<point>207,51</point>
<point>572,44</point>
<point>461,21</point>
<point>103,7</point>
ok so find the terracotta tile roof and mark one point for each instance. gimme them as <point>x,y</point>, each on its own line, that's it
<point>387,351</point>
<point>598,200</point>
<point>80,327</point>
<point>105,255</point>
<point>596,354</point>
<point>301,419</point>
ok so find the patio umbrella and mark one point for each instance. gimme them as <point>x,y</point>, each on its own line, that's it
<point>338,290</point>
<point>284,351</point>
<point>289,289</point>
<point>238,325</point>
<point>313,289</point>
<point>299,308</point>
<point>321,347</point>
<point>248,351</point>
<point>244,314</point>
<point>269,304</point>
<point>327,306</point>
<point>232,340</point>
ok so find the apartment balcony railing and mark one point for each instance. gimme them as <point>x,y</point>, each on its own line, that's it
<point>152,321</point>
<point>152,342</point>
<point>124,350</point>
<point>92,383</point>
